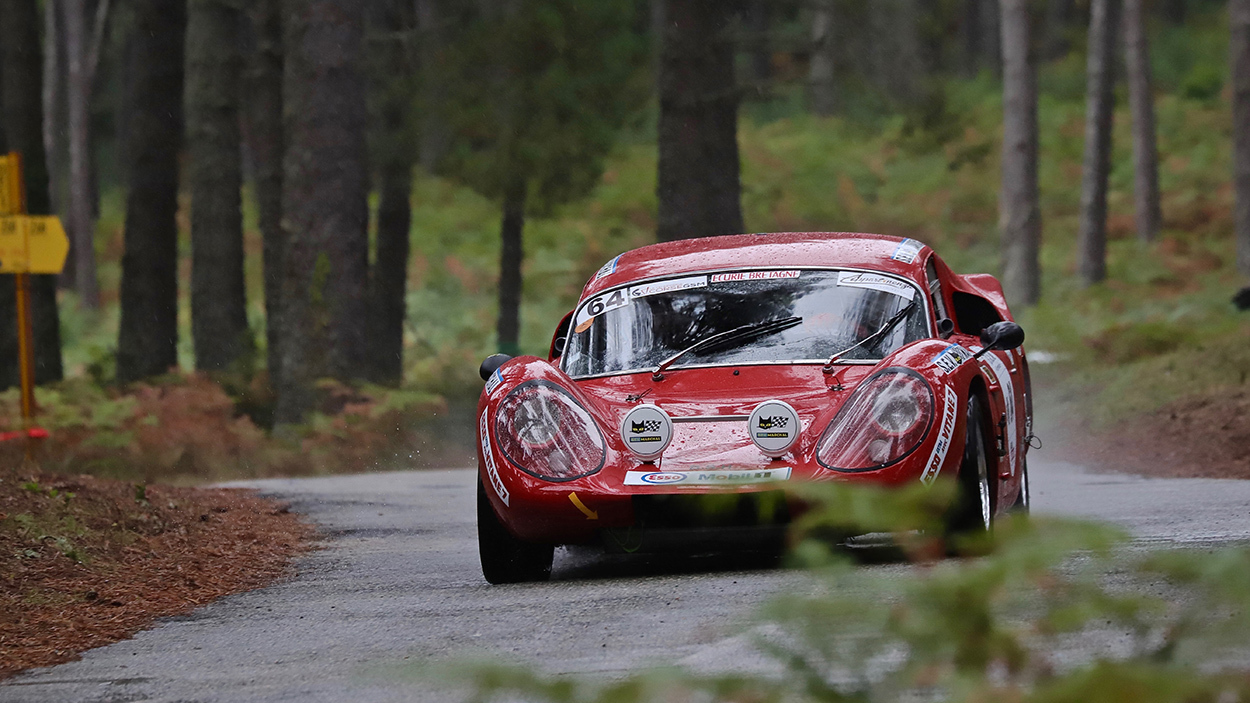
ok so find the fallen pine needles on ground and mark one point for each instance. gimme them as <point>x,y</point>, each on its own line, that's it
<point>86,561</point>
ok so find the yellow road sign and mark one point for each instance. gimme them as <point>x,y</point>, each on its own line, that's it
<point>32,244</point>
<point>10,184</point>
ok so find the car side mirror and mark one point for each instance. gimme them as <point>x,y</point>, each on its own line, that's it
<point>492,364</point>
<point>561,336</point>
<point>1001,336</point>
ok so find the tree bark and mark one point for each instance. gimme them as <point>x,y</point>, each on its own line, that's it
<point>430,43</point>
<point>325,212</point>
<point>21,69</point>
<point>264,117</point>
<point>391,76</point>
<point>1099,109</point>
<point>389,277</point>
<point>1175,11</point>
<point>698,183</point>
<point>147,343</point>
<point>81,77</point>
<point>822,88</point>
<point>510,255</point>
<point>1141,101</point>
<point>1020,218</point>
<point>992,29</point>
<point>1058,15</point>
<point>54,99</point>
<point>1239,50</point>
<point>223,340</point>
<point>759,23</point>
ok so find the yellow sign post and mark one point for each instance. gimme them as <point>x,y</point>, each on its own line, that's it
<point>27,245</point>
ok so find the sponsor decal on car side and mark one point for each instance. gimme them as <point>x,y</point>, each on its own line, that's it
<point>609,268</point>
<point>951,358</point>
<point>946,432</point>
<point>752,276</point>
<point>706,477</point>
<point>907,251</point>
<point>495,379</point>
<point>483,429</point>
<point>1009,399</point>
<point>875,281</point>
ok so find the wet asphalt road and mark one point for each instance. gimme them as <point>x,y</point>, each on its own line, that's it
<point>397,586</point>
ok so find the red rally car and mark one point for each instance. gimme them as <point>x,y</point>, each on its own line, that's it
<point>733,365</point>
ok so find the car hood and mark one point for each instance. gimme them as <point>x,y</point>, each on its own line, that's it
<point>709,405</point>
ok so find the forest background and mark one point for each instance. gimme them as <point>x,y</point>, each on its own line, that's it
<point>361,180</point>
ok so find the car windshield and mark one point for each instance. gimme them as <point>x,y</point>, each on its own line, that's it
<point>637,327</point>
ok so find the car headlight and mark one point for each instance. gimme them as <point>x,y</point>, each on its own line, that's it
<point>887,417</point>
<point>544,432</point>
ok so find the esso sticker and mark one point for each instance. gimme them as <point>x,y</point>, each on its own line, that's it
<point>660,478</point>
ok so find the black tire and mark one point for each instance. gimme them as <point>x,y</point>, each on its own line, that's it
<point>973,511</point>
<point>506,559</point>
<point>1023,499</point>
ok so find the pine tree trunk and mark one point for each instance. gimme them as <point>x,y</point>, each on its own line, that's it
<point>389,277</point>
<point>81,223</point>
<point>759,24</point>
<point>54,99</point>
<point>1239,50</point>
<point>1020,218</point>
<point>430,43</point>
<point>147,343</point>
<point>510,256</point>
<point>1099,109</point>
<point>992,29</point>
<point>1058,15</point>
<point>822,87</point>
<point>21,68</point>
<point>1175,11</point>
<point>1141,102</point>
<point>698,182</point>
<point>264,118</point>
<point>223,340</point>
<point>325,266</point>
<point>392,74</point>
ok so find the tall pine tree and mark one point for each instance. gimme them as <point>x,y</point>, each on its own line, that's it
<point>699,188</point>
<point>325,265</point>
<point>147,343</point>
<point>1020,218</point>
<point>219,329</point>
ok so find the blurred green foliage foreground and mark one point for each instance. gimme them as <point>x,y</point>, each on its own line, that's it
<point>1051,610</point>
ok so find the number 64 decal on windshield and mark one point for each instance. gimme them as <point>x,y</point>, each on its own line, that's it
<point>599,305</point>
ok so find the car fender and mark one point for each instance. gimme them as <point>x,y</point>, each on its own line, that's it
<point>947,367</point>
<point>503,480</point>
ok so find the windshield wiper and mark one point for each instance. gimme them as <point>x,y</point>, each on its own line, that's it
<point>728,339</point>
<point>881,332</point>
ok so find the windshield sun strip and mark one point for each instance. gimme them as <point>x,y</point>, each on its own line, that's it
<point>929,324</point>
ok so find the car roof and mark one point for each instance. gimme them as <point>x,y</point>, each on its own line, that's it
<point>877,252</point>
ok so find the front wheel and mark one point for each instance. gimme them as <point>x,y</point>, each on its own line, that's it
<point>506,559</point>
<point>973,511</point>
